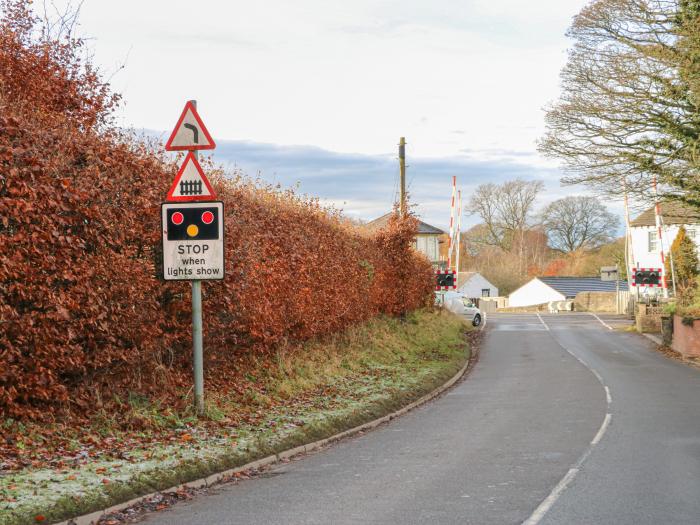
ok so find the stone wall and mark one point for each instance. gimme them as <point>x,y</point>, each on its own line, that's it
<point>525,309</point>
<point>648,318</point>
<point>603,302</point>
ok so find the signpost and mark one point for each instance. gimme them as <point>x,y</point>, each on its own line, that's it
<point>190,183</point>
<point>190,133</point>
<point>192,225</point>
<point>608,273</point>
<point>193,241</point>
<point>611,273</point>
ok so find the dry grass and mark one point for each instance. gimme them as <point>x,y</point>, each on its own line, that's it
<point>306,393</point>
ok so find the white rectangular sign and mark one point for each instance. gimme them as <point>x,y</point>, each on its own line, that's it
<point>193,240</point>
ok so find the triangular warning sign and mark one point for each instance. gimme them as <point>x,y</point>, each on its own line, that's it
<point>190,132</point>
<point>190,184</point>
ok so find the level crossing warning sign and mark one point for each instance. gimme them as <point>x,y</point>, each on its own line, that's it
<point>193,241</point>
<point>190,183</point>
<point>192,227</point>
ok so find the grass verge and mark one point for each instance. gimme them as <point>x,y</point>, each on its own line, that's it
<point>306,393</point>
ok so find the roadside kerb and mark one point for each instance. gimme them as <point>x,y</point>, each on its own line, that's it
<point>656,339</point>
<point>93,517</point>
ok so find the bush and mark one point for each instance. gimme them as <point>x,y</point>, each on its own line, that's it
<point>83,312</point>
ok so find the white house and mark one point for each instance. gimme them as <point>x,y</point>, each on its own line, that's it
<point>474,285</point>
<point>645,238</point>
<point>546,289</point>
<point>428,239</point>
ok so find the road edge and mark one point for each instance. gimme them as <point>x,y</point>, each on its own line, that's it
<point>225,475</point>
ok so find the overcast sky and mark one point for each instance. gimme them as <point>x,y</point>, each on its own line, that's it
<point>319,91</point>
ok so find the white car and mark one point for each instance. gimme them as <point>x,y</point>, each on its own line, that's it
<point>456,302</point>
<point>472,312</point>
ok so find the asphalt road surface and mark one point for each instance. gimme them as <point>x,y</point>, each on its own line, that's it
<point>562,421</point>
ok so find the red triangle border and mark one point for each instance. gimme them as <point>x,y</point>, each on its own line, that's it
<point>168,144</point>
<point>212,194</point>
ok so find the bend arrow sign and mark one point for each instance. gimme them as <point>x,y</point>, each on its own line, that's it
<point>190,133</point>
<point>190,183</point>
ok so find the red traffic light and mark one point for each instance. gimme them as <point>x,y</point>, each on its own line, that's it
<point>207,217</point>
<point>177,218</point>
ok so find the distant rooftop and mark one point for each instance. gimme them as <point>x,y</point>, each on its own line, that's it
<point>671,212</point>
<point>423,227</point>
<point>463,277</point>
<point>570,286</point>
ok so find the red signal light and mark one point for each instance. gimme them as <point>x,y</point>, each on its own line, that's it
<point>207,217</point>
<point>177,218</point>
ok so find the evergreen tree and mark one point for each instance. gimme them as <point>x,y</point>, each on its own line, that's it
<point>685,265</point>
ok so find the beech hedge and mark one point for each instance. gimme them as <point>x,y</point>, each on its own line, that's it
<point>84,314</point>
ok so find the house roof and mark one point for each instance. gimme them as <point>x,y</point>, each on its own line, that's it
<point>570,286</point>
<point>423,227</point>
<point>672,213</point>
<point>463,277</point>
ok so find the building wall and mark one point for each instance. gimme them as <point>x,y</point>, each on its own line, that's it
<point>642,257</point>
<point>534,292</point>
<point>428,246</point>
<point>444,241</point>
<point>475,286</point>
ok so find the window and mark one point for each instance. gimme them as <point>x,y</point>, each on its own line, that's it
<point>428,246</point>
<point>653,241</point>
<point>692,232</point>
<point>486,292</point>
<point>432,248</point>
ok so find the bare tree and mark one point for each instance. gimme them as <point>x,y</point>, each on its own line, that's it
<point>504,209</point>
<point>579,222</point>
<point>627,111</point>
<point>59,23</point>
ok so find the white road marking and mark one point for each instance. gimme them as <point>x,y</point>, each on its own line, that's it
<point>606,325</point>
<point>557,491</point>
<point>596,374</point>
<point>544,507</point>
<point>542,321</point>
<point>602,429</point>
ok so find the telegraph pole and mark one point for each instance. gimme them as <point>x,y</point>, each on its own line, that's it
<point>402,168</point>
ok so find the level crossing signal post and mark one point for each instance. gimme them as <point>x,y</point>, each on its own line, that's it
<point>193,229</point>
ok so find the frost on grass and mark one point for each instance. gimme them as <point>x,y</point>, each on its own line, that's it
<point>90,476</point>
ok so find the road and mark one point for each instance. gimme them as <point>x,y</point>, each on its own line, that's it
<point>562,421</point>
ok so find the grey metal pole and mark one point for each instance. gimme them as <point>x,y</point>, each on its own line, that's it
<point>197,343</point>
<point>617,289</point>
<point>402,172</point>
<point>198,361</point>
